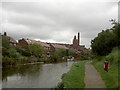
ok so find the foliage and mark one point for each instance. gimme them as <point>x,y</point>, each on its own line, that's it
<point>12,53</point>
<point>36,49</point>
<point>85,56</point>
<point>103,48</point>
<point>71,53</point>
<point>75,77</point>
<point>4,51</point>
<point>114,56</point>
<point>8,61</point>
<point>23,51</point>
<point>5,41</point>
<point>58,54</point>
<point>106,40</point>
<point>116,31</point>
<point>0,44</point>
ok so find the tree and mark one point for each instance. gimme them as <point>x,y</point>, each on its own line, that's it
<point>106,40</point>
<point>57,54</point>
<point>36,49</point>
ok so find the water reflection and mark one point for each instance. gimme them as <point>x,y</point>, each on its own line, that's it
<point>34,76</point>
<point>20,70</point>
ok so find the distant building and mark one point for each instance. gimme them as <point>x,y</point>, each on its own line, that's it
<point>49,46</point>
<point>25,42</point>
<point>76,42</point>
<point>54,46</point>
<point>76,45</point>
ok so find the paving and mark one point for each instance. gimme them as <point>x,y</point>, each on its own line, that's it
<point>92,77</point>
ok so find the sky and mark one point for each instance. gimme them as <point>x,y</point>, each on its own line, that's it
<point>57,20</point>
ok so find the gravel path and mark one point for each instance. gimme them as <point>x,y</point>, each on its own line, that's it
<point>92,77</point>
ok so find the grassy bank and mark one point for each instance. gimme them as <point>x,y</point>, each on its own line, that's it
<point>111,77</point>
<point>75,77</point>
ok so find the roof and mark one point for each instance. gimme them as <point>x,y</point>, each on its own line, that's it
<point>44,44</point>
<point>29,41</point>
<point>55,45</point>
<point>12,40</point>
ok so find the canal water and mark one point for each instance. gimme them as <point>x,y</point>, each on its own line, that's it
<point>34,76</point>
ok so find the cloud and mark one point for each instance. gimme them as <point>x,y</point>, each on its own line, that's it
<point>57,21</point>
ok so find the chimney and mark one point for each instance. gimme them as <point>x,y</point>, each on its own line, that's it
<point>78,38</point>
<point>5,34</point>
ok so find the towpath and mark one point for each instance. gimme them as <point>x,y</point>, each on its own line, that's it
<point>92,77</point>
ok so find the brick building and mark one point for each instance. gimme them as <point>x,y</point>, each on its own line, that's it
<point>25,42</point>
<point>76,45</point>
<point>76,42</point>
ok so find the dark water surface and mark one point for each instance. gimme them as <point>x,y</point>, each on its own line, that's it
<point>34,76</point>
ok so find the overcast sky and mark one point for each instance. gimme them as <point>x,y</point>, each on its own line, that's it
<point>57,20</point>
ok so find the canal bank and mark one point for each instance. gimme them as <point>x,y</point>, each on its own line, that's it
<point>75,77</point>
<point>34,75</point>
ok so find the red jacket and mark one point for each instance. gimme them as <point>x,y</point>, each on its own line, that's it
<point>106,66</point>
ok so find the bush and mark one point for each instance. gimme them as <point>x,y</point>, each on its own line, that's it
<point>113,56</point>
<point>8,61</point>
<point>12,53</point>
<point>84,56</point>
<point>23,51</point>
<point>4,51</point>
<point>36,49</point>
<point>71,53</point>
<point>57,54</point>
<point>5,42</point>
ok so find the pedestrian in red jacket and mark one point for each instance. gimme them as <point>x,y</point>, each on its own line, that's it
<point>106,66</point>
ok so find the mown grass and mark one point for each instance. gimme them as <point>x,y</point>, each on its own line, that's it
<point>75,77</point>
<point>111,77</point>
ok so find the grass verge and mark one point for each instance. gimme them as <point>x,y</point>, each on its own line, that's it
<point>111,77</point>
<point>75,77</point>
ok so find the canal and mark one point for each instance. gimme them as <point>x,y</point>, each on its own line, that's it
<point>34,76</point>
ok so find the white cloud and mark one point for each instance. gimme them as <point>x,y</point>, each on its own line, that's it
<point>57,21</point>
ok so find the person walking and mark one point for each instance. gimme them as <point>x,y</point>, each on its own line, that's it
<point>106,66</point>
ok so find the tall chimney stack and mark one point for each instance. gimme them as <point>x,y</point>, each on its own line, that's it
<point>78,38</point>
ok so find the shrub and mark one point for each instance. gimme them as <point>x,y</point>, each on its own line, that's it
<point>5,42</point>
<point>23,51</point>
<point>12,53</point>
<point>85,56</point>
<point>4,51</point>
<point>36,49</point>
<point>8,61</point>
<point>57,55</point>
<point>113,56</point>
